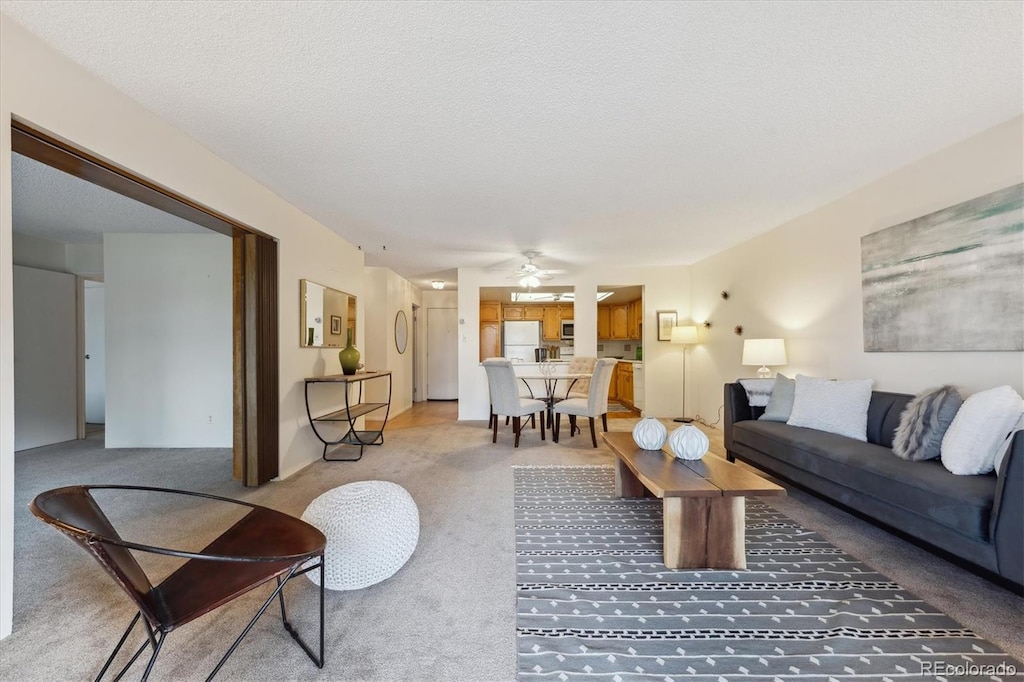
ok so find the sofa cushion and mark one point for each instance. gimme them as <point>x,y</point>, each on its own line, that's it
<point>981,425</point>
<point>780,404</point>
<point>924,422</point>
<point>962,504</point>
<point>884,416</point>
<point>839,407</point>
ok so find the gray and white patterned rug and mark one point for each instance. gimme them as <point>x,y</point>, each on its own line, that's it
<point>596,602</point>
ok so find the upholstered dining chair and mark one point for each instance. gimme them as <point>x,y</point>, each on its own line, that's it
<point>524,392</point>
<point>263,546</point>
<point>583,364</point>
<point>505,398</point>
<point>595,404</point>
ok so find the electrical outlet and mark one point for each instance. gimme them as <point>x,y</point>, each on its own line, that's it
<point>209,419</point>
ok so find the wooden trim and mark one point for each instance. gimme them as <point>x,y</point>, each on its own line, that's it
<point>238,382</point>
<point>73,160</point>
<point>260,404</point>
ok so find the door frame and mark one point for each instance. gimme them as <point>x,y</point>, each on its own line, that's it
<point>255,457</point>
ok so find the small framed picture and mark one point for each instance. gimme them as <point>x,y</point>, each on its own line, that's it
<point>336,324</point>
<point>666,320</point>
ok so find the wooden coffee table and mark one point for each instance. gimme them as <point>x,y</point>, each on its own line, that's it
<point>703,501</point>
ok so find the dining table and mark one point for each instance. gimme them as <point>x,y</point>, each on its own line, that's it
<point>551,396</point>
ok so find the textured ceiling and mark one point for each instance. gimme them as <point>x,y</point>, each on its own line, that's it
<point>461,134</point>
<point>51,204</point>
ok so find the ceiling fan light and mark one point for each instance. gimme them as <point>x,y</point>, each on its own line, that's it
<point>529,281</point>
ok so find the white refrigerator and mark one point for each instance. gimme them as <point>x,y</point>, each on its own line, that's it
<point>520,340</point>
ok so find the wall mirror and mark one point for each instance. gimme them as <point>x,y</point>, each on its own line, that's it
<point>401,331</point>
<point>326,316</point>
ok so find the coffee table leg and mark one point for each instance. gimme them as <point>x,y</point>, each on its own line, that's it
<point>727,523</point>
<point>704,532</point>
<point>626,482</point>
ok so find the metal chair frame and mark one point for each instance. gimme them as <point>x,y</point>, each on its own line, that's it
<point>156,632</point>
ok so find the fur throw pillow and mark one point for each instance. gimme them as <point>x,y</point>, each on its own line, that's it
<point>924,422</point>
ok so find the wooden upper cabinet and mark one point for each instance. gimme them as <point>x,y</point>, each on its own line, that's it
<point>604,322</point>
<point>490,340</point>
<point>490,311</point>
<point>636,319</point>
<point>533,312</point>
<point>552,323</point>
<point>513,312</point>
<point>620,321</point>
<point>565,311</point>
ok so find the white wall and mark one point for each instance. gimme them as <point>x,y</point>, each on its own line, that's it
<point>45,254</point>
<point>387,293</point>
<point>169,340</point>
<point>802,281</point>
<point>44,88</point>
<point>46,354</point>
<point>665,288</point>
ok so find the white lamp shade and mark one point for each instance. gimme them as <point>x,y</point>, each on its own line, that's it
<point>764,352</point>
<point>684,335</point>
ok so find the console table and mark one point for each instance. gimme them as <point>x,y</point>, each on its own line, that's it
<point>349,413</point>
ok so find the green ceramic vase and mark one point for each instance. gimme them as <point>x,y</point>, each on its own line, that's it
<point>349,357</point>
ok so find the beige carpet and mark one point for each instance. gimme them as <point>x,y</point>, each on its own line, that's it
<point>448,614</point>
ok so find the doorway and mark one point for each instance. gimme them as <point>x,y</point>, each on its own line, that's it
<point>94,333</point>
<point>254,371</point>
<point>442,353</point>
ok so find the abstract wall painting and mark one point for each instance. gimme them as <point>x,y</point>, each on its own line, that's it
<point>952,280</point>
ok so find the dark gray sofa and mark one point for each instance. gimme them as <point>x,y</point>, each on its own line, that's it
<point>978,520</point>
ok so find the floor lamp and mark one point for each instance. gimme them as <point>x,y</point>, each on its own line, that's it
<point>684,336</point>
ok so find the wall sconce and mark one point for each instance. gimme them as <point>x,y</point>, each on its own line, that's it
<point>437,284</point>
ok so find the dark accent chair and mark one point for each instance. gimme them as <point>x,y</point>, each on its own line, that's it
<point>263,545</point>
<point>974,520</point>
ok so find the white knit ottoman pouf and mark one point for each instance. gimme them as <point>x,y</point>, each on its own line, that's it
<point>371,529</point>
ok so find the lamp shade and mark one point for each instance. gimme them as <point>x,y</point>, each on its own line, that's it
<point>764,352</point>
<point>684,335</point>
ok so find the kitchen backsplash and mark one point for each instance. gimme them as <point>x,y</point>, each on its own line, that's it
<point>617,349</point>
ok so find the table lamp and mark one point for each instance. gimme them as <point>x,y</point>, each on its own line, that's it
<point>764,352</point>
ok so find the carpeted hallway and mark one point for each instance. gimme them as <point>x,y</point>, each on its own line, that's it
<point>448,614</point>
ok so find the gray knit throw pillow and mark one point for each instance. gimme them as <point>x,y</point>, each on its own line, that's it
<point>924,422</point>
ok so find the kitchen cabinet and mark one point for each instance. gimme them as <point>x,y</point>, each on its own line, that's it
<point>604,322</point>
<point>638,387</point>
<point>565,311</point>
<point>552,323</point>
<point>490,311</point>
<point>490,340</point>
<point>620,321</point>
<point>613,385</point>
<point>513,312</point>
<point>533,312</point>
<point>624,381</point>
<point>636,319</point>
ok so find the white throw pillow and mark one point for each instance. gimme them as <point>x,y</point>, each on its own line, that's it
<point>1003,450</point>
<point>980,426</point>
<point>835,406</point>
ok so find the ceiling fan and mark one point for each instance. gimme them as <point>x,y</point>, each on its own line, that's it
<point>530,275</point>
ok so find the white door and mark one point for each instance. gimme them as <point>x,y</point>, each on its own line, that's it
<point>442,353</point>
<point>95,354</point>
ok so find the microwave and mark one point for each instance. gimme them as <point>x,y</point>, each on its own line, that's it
<point>567,329</point>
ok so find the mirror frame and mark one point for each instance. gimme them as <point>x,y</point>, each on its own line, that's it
<point>401,332</point>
